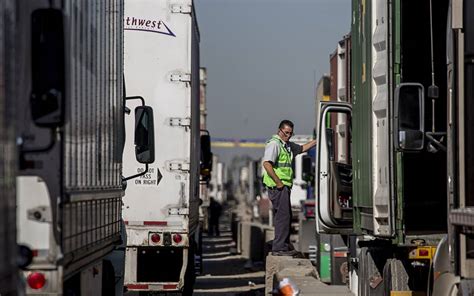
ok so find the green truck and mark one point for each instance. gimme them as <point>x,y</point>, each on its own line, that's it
<point>390,194</point>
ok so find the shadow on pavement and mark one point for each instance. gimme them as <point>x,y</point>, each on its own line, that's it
<point>224,273</point>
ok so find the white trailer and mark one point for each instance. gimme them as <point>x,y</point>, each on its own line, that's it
<point>207,176</point>
<point>221,194</point>
<point>161,208</point>
<point>8,158</point>
<point>71,138</point>
<point>202,97</point>
<point>213,184</point>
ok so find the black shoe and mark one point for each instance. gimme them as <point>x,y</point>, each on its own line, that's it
<point>290,253</point>
<point>299,255</point>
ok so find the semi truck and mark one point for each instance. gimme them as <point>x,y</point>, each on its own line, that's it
<point>206,176</point>
<point>453,264</point>
<point>9,283</point>
<point>300,184</point>
<point>332,248</point>
<point>329,251</point>
<point>390,194</point>
<point>70,136</point>
<point>217,185</point>
<point>221,177</point>
<point>161,208</point>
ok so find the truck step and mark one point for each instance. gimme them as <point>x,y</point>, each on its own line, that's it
<point>313,254</point>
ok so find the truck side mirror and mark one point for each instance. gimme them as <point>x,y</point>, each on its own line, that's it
<point>409,123</point>
<point>206,155</point>
<point>144,135</point>
<point>47,68</point>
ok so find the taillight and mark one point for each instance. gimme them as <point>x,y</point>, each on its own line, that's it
<point>423,252</point>
<point>309,212</point>
<point>177,238</point>
<point>155,238</point>
<point>36,280</point>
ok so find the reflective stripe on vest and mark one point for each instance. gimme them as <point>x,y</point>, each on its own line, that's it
<point>283,168</point>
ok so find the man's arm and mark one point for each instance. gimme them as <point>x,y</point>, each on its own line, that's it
<point>269,168</point>
<point>309,145</point>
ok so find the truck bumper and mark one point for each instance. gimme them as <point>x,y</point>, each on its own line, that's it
<point>155,268</point>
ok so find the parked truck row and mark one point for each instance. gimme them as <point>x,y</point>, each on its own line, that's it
<point>393,175</point>
<point>99,208</point>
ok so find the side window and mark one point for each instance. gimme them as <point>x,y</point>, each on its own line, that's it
<point>338,133</point>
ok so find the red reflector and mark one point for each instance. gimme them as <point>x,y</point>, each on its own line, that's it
<point>126,222</point>
<point>155,237</point>
<point>170,287</point>
<point>177,238</point>
<point>423,252</point>
<point>156,223</point>
<point>137,287</point>
<point>340,254</point>
<point>36,280</point>
<point>35,253</point>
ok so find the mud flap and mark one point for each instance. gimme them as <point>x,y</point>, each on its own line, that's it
<point>370,279</point>
<point>395,276</point>
<point>190,275</point>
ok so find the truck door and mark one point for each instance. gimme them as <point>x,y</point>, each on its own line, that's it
<point>334,169</point>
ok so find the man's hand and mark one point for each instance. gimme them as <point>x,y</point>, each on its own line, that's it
<point>280,185</point>
<point>309,145</point>
<point>269,168</point>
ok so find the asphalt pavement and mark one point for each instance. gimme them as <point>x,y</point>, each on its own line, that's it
<point>226,273</point>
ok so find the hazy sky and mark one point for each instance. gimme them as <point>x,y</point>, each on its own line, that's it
<point>262,57</point>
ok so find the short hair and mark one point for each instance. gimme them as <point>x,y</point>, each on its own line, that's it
<point>287,123</point>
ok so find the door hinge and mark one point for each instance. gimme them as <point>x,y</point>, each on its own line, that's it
<point>178,211</point>
<point>184,9</point>
<point>176,121</point>
<point>179,166</point>
<point>180,77</point>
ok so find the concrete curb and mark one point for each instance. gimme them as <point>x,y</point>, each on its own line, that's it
<point>301,273</point>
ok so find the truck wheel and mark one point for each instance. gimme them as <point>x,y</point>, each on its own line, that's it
<point>190,275</point>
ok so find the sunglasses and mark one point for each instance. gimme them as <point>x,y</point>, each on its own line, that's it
<point>287,133</point>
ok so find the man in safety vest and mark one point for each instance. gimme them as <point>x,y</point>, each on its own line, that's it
<point>278,178</point>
